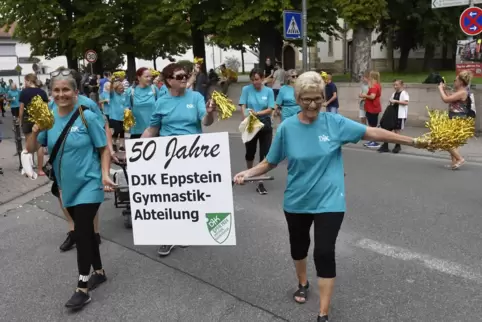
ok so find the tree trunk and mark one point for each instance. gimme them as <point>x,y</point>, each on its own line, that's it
<point>428,58</point>
<point>270,44</point>
<point>362,52</point>
<point>390,58</point>
<point>403,61</point>
<point>131,67</point>
<point>154,63</point>
<point>198,44</point>
<point>242,61</point>
<point>445,60</point>
<point>72,61</point>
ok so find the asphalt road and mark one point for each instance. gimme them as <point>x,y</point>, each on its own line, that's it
<point>409,250</point>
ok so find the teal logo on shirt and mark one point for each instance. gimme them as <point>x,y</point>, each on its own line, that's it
<point>189,105</point>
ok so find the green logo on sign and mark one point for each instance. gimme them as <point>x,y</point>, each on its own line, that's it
<point>219,226</point>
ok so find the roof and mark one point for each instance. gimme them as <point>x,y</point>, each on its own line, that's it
<point>7,32</point>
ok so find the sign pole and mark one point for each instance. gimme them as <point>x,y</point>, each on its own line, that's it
<point>305,35</point>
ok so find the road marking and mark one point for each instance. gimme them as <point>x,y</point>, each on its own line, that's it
<point>428,261</point>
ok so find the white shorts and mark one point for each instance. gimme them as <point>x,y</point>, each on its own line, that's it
<point>362,113</point>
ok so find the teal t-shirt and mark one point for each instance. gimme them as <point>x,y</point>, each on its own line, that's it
<point>3,90</point>
<point>144,100</point>
<point>105,96</point>
<point>163,90</point>
<point>14,95</point>
<point>315,182</point>
<point>179,115</point>
<point>286,100</point>
<point>257,100</point>
<point>77,166</point>
<point>118,104</point>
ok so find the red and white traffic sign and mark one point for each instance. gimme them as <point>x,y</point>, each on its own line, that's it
<point>91,56</point>
<point>471,21</point>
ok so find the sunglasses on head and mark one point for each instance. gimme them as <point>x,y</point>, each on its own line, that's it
<point>294,76</point>
<point>63,72</point>
<point>180,76</point>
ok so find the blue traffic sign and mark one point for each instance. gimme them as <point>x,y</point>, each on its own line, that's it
<point>292,25</point>
<point>471,21</point>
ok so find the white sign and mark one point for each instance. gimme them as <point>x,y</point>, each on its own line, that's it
<point>452,3</point>
<point>91,56</point>
<point>181,191</point>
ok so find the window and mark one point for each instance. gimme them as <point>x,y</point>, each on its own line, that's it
<point>330,46</point>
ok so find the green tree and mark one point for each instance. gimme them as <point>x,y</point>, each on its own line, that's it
<point>363,16</point>
<point>45,26</point>
<point>412,24</point>
<point>259,24</point>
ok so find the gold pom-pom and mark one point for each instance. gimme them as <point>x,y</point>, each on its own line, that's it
<point>198,60</point>
<point>40,114</point>
<point>129,120</point>
<point>224,105</point>
<point>119,74</point>
<point>154,72</point>
<point>445,133</point>
<point>252,123</point>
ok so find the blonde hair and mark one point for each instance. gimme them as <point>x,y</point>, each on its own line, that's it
<point>309,82</point>
<point>375,76</point>
<point>288,74</point>
<point>465,77</point>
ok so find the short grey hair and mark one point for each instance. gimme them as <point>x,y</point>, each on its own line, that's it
<point>288,74</point>
<point>69,78</point>
<point>309,82</point>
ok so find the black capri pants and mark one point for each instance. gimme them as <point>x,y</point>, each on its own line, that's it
<point>327,226</point>
<point>88,253</point>
<point>264,137</point>
<point>118,127</point>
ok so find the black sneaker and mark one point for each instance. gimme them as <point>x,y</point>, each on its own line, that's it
<point>97,237</point>
<point>95,280</point>
<point>323,318</point>
<point>69,242</point>
<point>165,250</point>
<point>78,300</point>
<point>261,189</point>
<point>397,149</point>
<point>383,148</point>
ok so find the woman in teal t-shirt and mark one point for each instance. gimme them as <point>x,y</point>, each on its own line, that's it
<point>315,190</point>
<point>141,99</point>
<point>258,100</point>
<point>13,96</point>
<point>286,102</point>
<point>81,170</point>
<point>180,111</point>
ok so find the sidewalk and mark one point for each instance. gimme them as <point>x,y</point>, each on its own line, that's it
<point>472,152</point>
<point>12,183</point>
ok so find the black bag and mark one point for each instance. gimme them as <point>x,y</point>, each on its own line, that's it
<point>48,167</point>
<point>389,118</point>
<point>470,111</point>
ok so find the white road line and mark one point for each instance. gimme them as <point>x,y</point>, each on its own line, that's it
<point>433,263</point>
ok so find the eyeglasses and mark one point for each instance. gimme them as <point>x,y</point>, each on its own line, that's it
<point>308,101</point>
<point>179,77</point>
<point>63,72</point>
<point>294,76</point>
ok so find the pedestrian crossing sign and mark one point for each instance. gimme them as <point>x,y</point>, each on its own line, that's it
<point>292,25</point>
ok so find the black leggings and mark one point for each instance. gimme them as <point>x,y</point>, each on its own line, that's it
<point>88,253</point>
<point>264,137</point>
<point>327,226</point>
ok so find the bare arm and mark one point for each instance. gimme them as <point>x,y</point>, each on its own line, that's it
<point>32,144</point>
<point>457,96</point>
<point>208,119</point>
<point>379,134</point>
<point>150,132</point>
<point>105,161</point>
<point>20,112</point>
<point>260,169</point>
<point>331,99</point>
<point>243,110</point>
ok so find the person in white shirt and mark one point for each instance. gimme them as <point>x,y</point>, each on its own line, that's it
<point>399,100</point>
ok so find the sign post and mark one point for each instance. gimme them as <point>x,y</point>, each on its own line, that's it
<point>91,57</point>
<point>294,26</point>
<point>180,190</point>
